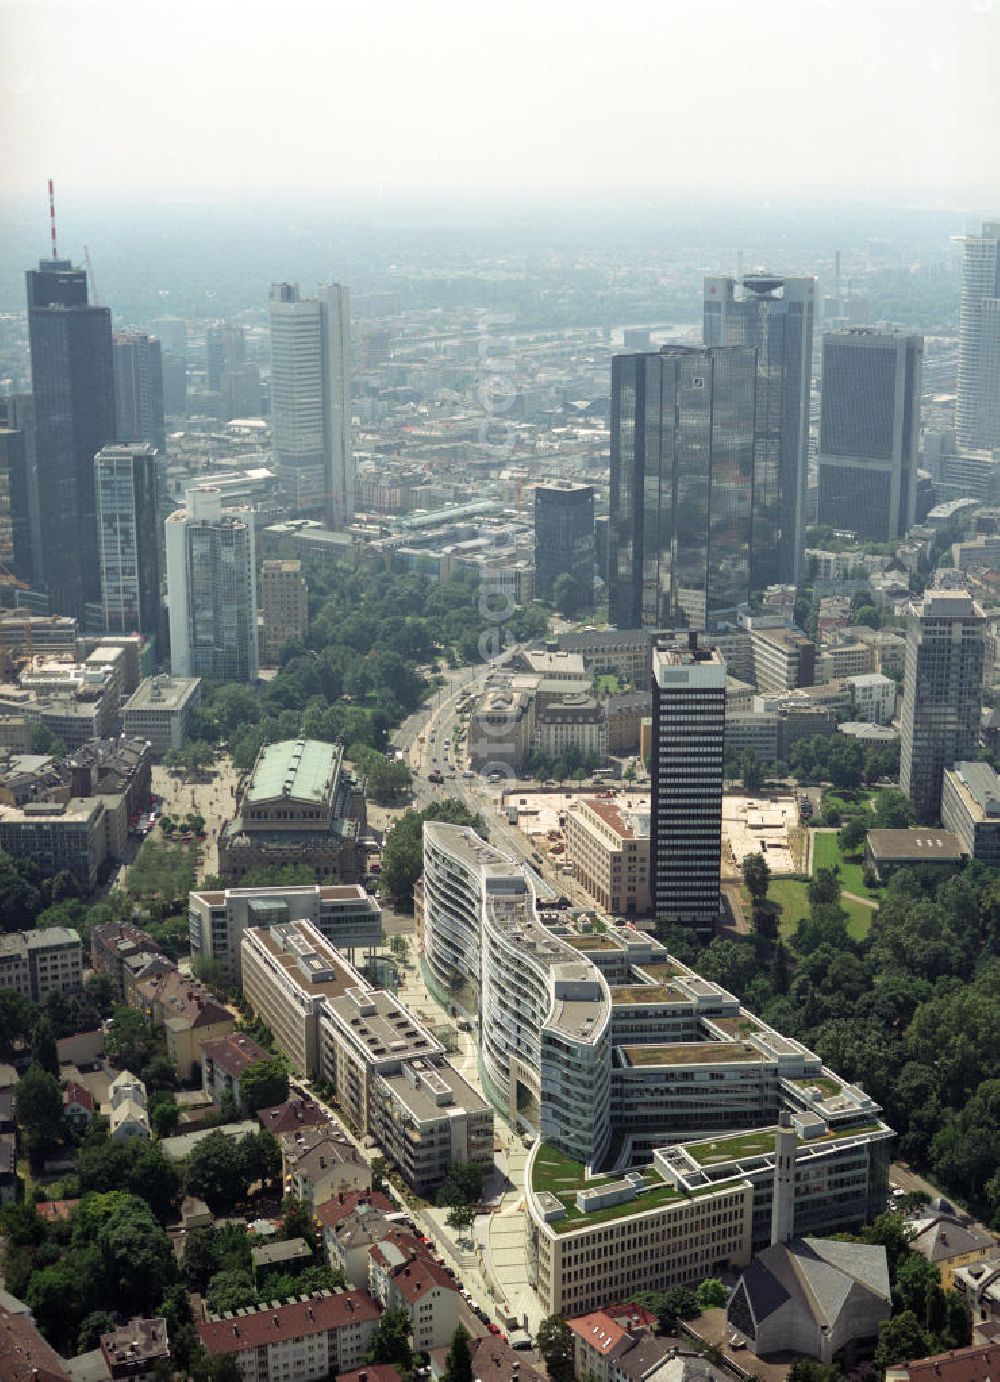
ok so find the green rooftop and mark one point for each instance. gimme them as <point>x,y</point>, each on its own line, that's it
<point>561,1176</point>
<point>691,1053</point>
<point>760,1142</point>
<point>592,942</point>
<point>625,994</point>
<point>661,971</point>
<point>300,770</point>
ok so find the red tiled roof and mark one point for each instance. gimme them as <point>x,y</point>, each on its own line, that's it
<point>598,1331</point>
<point>374,1372</point>
<point>975,1364</point>
<point>24,1354</point>
<point>292,1321</point>
<point>631,1312</point>
<point>77,1094</point>
<point>415,1278</point>
<point>53,1210</point>
<point>233,1052</point>
<point>331,1212</point>
<point>292,1114</point>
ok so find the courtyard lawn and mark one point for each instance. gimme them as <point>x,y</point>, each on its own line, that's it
<point>827,854</point>
<point>608,684</point>
<point>792,899</point>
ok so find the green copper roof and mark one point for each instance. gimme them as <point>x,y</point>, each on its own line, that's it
<point>299,769</point>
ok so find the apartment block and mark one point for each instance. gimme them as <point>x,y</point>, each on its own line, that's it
<point>284,607</point>
<point>303,1341</point>
<point>783,659</point>
<point>970,809</point>
<point>607,846</point>
<point>34,963</point>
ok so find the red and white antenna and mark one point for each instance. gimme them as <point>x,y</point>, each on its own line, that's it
<point>52,218</point>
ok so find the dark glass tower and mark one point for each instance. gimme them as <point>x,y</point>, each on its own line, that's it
<point>564,539</point>
<point>126,486</point>
<point>72,377</point>
<point>775,316</point>
<point>869,431</point>
<point>139,388</point>
<point>682,446</point>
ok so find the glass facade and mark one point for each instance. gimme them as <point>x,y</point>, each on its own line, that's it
<point>682,448</point>
<point>564,539</point>
<point>125,481</point>
<point>775,316</point>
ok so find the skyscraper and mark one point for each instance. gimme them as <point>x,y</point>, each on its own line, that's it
<point>682,446</point>
<point>775,316</point>
<point>978,414</point>
<point>869,431</point>
<point>311,400</point>
<point>72,377</point>
<point>139,388</point>
<point>942,694</point>
<point>225,349</point>
<point>689,719</point>
<point>126,487</point>
<point>564,539</point>
<point>284,607</point>
<point>212,591</point>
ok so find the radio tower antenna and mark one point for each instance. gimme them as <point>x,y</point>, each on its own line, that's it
<point>52,218</point>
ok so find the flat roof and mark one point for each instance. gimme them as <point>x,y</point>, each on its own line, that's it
<point>328,979</point>
<point>693,1053</point>
<point>162,693</point>
<point>419,1095</point>
<point>919,843</point>
<point>296,769</point>
<point>982,785</point>
<point>378,1021</point>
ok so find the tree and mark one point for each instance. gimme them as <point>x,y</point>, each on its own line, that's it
<point>230,1289</point>
<point>894,810</point>
<point>391,1341</point>
<point>554,1341</point>
<point>712,1292</point>
<point>463,1185</point>
<point>751,771</point>
<point>567,595</point>
<point>853,833</point>
<point>458,1364</point>
<point>296,1220</point>
<point>824,888</point>
<point>130,1039</point>
<point>461,1217</point>
<point>379,1169</point>
<point>153,1177</point>
<point>808,1370</point>
<point>215,1173</point>
<point>676,1303</point>
<point>164,1115</point>
<point>756,876</point>
<point>902,1339</point>
<point>98,1322</point>
<point>44,1051</point>
<point>264,1083</point>
<point>17,1013</point>
<point>39,1107</point>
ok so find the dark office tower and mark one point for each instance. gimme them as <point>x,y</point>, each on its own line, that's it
<point>942,694</point>
<point>225,348</point>
<point>775,316</point>
<point>869,431</point>
<point>978,412</point>
<point>72,378</point>
<point>18,412</point>
<point>689,720</point>
<point>139,388</point>
<point>682,438</point>
<point>564,540</point>
<point>127,526</point>
<point>174,385</point>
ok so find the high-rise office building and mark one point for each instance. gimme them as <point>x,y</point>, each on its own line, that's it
<point>19,417</point>
<point>689,723</point>
<point>311,400</point>
<point>72,378</point>
<point>978,413</point>
<point>942,694</point>
<point>125,483</point>
<point>284,607</point>
<point>682,447</point>
<point>139,388</point>
<point>211,587</point>
<point>225,349</point>
<point>775,316</point>
<point>564,539</point>
<point>174,385</point>
<point>869,431</point>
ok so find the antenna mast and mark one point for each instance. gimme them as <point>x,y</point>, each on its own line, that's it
<point>52,218</point>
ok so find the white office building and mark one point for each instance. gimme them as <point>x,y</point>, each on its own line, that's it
<point>978,413</point>
<point>212,590</point>
<point>311,400</point>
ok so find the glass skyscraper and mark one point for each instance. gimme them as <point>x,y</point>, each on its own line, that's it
<point>682,449</point>
<point>564,538</point>
<point>774,315</point>
<point>978,413</point>
<point>126,488</point>
<point>72,380</point>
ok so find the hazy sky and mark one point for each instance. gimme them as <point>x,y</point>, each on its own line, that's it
<point>881,100</point>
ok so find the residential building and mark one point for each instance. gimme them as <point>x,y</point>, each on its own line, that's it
<point>774,316</point>
<point>978,411</point>
<point>607,846</point>
<point>618,1344</point>
<point>138,1351</point>
<point>35,963</point>
<point>348,917</point>
<point>211,588</point>
<point>970,808</point>
<point>978,1283</point>
<point>869,431</point>
<point>783,658</point>
<point>24,1354</point>
<point>296,1112</point>
<point>128,1117</point>
<point>873,697</point>
<point>813,1296</point>
<point>352,1222</point>
<point>320,1163</point>
<point>977,1363</point>
<point>127,532</point>
<point>186,1012</point>
<point>682,460</point>
<point>284,607</point>
<point>138,364</point>
<point>160,710</point>
<point>430,1297</point>
<point>304,1341</point>
<point>942,694</point>
<point>78,1106</point>
<point>299,806</point>
<point>223,1063</point>
<point>311,400</point>
<point>888,851</point>
<point>689,708</point>
<point>564,539</point>
<point>73,386</point>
